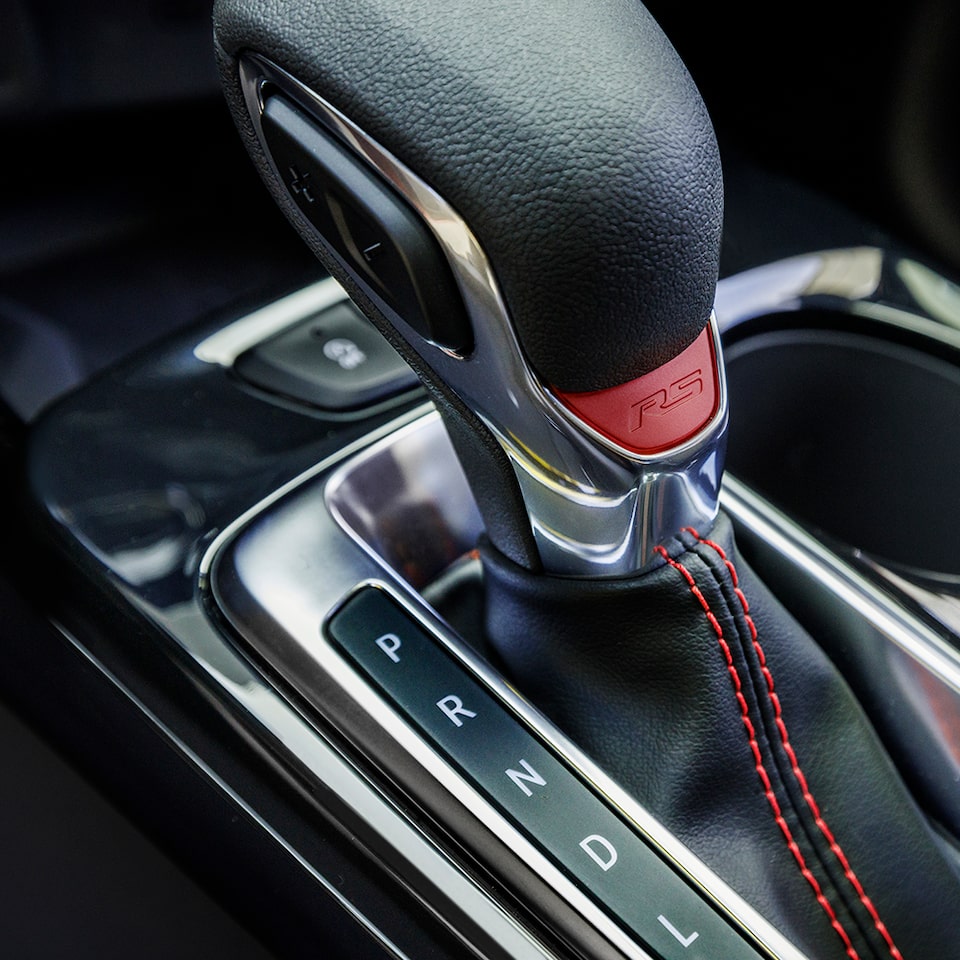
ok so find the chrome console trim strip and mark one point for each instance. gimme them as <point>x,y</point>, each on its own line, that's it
<point>804,554</point>
<point>865,282</point>
<point>594,507</point>
<point>890,292</point>
<point>414,858</point>
<point>196,761</point>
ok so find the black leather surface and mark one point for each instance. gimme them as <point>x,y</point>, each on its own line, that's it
<point>569,135</point>
<point>647,676</point>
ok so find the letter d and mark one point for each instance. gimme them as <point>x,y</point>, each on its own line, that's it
<point>600,850</point>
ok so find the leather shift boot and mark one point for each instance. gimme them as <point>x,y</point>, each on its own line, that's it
<point>694,688</point>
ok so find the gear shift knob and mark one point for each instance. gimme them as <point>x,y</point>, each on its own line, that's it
<point>528,204</point>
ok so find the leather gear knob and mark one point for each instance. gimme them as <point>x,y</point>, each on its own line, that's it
<point>570,137</point>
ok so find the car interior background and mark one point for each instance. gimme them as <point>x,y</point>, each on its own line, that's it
<point>138,816</point>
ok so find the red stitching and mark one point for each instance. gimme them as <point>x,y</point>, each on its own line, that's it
<point>794,762</point>
<point>758,756</point>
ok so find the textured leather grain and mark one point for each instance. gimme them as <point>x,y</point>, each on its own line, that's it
<point>568,135</point>
<point>695,689</point>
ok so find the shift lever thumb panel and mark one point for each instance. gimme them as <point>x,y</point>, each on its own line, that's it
<point>527,200</point>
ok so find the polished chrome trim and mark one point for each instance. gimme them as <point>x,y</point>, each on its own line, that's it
<point>412,854</point>
<point>865,282</point>
<point>224,346</point>
<point>595,509</point>
<point>882,288</point>
<point>805,554</point>
<point>277,556</point>
<point>937,594</point>
<point>352,449</point>
<point>441,490</point>
<point>207,771</point>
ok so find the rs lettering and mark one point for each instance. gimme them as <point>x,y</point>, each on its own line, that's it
<point>658,404</point>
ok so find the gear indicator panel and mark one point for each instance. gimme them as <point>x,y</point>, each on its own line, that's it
<point>529,783</point>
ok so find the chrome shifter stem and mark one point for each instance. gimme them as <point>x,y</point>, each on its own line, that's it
<point>595,508</point>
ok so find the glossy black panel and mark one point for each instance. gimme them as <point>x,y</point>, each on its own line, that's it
<point>129,480</point>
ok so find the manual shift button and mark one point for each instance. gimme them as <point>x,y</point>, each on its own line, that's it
<point>384,244</point>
